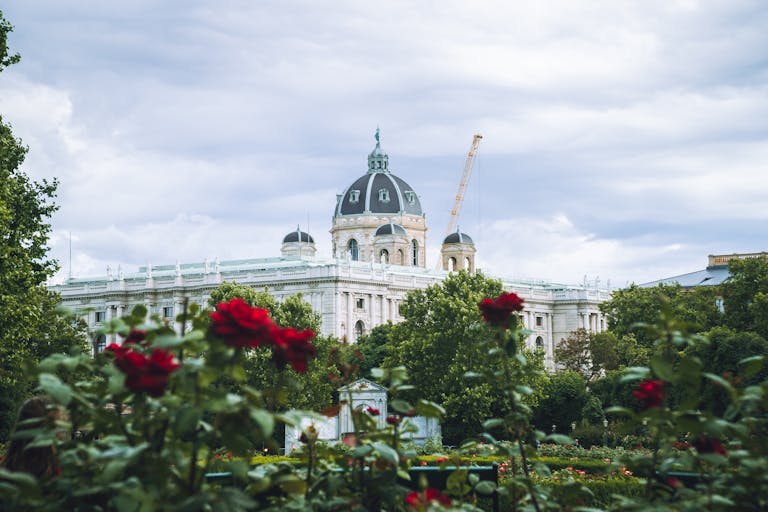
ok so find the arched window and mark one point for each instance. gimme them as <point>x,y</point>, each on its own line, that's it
<point>384,256</point>
<point>101,343</point>
<point>400,257</point>
<point>451,264</point>
<point>467,264</point>
<point>359,329</point>
<point>354,253</point>
<point>539,343</point>
<point>414,253</point>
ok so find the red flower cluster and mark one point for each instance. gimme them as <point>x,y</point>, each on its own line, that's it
<point>241,325</point>
<point>422,500</point>
<point>498,311</point>
<point>393,420</point>
<point>649,393</point>
<point>373,411</point>
<point>292,347</point>
<point>142,373</point>
<point>706,444</point>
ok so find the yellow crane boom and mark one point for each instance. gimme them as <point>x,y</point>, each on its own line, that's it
<point>454,220</point>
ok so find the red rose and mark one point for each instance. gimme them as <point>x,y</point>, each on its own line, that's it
<point>498,311</point>
<point>373,411</point>
<point>706,444</point>
<point>142,373</point>
<point>393,420</point>
<point>421,500</point>
<point>241,325</point>
<point>131,362</point>
<point>292,347</point>
<point>135,336</point>
<point>649,393</point>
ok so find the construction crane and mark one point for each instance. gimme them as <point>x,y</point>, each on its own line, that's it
<point>454,220</point>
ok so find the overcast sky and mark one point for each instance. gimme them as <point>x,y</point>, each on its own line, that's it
<point>625,140</point>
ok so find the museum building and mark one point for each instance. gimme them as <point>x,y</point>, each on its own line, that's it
<point>378,233</point>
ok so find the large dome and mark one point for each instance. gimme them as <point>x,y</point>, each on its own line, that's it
<point>378,191</point>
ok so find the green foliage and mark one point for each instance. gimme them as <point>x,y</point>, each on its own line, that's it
<point>744,298</point>
<point>634,305</point>
<point>30,326</point>
<point>587,353</point>
<point>288,389</point>
<point>374,347</point>
<point>565,395</point>
<point>438,340</point>
<point>603,493</point>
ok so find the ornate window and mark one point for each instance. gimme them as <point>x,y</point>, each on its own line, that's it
<point>410,196</point>
<point>384,195</point>
<point>539,343</point>
<point>101,343</point>
<point>354,196</point>
<point>354,252</point>
<point>359,329</point>
<point>384,256</point>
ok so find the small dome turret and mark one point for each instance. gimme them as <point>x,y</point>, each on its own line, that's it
<point>458,238</point>
<point>297,244</point>
<point>458,252</point>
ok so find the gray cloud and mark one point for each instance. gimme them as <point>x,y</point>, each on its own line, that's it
<point>616,134</point>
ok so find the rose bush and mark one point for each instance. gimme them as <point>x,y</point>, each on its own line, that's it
<point>149,420</point>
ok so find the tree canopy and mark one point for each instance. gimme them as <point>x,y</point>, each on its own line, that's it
<point>30,325</point>
<point>635,304</point>
<point>437,342</point>
<point>311,390</point>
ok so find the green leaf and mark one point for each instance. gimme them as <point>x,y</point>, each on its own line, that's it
<point>493,423</point>
<point>386,452</point>
<point>401,406</point>
<point>620,411</point>
<point>662,368</point>
<point>54,387</point>
<point>139,311</point>
<point>265,422</point>
<point>473,375</point>
<point>167,341</point>
<point>559,439</point>
<point>752,365</point>
<point>186,420</point>
<point>485,488</point>
<point>429,409</point>
<point>721,382</point>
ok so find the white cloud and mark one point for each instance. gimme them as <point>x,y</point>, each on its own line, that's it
<point>626,134</point>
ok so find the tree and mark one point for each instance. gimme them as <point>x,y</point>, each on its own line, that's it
<point>30,326</point>
<point>310,390</point>
<point>564,397</point>
<point>590,354</point>
<point>437,342</point>
<point>744,295</point>
<point>374,347</point>
<point>635,304</point>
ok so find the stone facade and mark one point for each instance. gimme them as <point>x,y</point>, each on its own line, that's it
<point>353,292</point>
